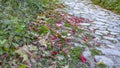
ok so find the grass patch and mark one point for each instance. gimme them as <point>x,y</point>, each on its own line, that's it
<point>113,5</point>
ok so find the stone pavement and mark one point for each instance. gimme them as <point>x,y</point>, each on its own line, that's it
<point>106,27</point>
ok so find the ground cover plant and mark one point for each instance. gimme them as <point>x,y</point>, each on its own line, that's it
<point>54,44</point>
<point>14,18</point>
<point>36,34</point>
<point>113,5</point>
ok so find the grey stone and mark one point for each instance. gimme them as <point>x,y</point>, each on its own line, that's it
<point>87,53</point>
<point>113,30</point>
<point>105,60</point>
<point>85,24</point>
<point>110,38</point>
<point>99,23</point>
<point>108,51</point>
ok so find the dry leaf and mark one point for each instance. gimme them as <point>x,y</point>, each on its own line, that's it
<point>22,53</point>
<point>42,41</point>
<point>54,65</point>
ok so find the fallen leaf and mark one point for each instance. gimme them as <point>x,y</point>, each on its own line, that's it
<point>54,65</point>
<point>22,53</point>
<point>54,52</point>
<point>40,57</point>
<point>101,62</point>
<point>60,57</point>
<point>54,38</point>
<point>42,41</point>
<point>65,51</point>
<point>83,59</point>
<point>85,38</point>
<point>33,48</point>
<point>59,24</point>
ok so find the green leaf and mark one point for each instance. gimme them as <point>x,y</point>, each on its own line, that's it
<point>6,48</point>
<point>23,66</point>
<point>3,42</point>
<point>64,33</point>
<point>43,30</point>
<point>76,52</point>
<point>50,21</point>
<point>1,51</point>
<point>95,52</point>
<point>15,45</point>
<point>67,24</point>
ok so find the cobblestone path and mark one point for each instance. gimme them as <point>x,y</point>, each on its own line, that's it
<point>106,27</point>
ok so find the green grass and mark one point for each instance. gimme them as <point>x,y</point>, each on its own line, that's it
<point>113,5</point>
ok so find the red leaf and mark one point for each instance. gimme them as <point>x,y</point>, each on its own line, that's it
<point>73,20</point>
<point>40,57</point>
<point>54,38</point>
<point>82,20</point>
<point>54,52</point>
<point>83,59</point>
<point>85,38</point>
<point>59,24</point>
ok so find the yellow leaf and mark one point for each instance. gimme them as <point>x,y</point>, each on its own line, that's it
<point>25,57</point>
<point>22,53</point>
<point>33,48</point>
<point>101,62</point>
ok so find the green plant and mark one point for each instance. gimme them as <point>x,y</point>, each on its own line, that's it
<point>15,16</point>
<point>95,52</point>
<point>101,65</point>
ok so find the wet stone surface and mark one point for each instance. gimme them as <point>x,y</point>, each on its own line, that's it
<point>105,27</point>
